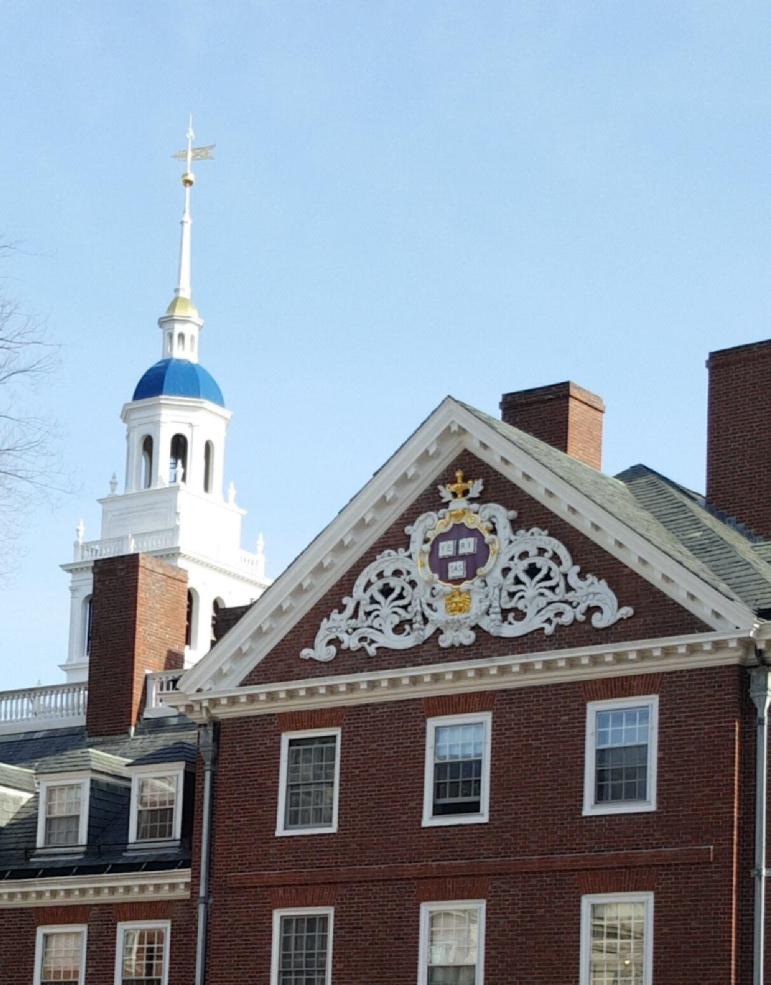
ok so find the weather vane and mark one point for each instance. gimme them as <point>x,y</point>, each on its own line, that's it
<point>190,154</point>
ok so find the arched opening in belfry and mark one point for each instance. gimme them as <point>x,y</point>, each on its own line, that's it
<point>178,459</point>
<point>181,341</point>
<point>191,616</point>
<point>208,466</point>
<point>146,478</point>
<point>216,629</point>
<point>88,608</point>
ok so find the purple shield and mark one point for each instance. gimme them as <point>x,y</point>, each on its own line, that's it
<point>457,554</point>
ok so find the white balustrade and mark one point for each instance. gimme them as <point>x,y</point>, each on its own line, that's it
<point>156,540</point>
<point>159,684</point>
<point>36,708</point>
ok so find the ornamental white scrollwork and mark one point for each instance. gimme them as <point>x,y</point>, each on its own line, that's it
<point>518,583</point>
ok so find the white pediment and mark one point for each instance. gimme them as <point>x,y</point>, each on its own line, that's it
<point>451,429</point>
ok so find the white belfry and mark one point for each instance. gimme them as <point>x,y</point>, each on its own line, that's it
<point>172,505</point>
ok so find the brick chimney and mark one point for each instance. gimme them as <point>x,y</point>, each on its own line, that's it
<point>139,612</point>
<point>563,415</point>
<point>739,434</point>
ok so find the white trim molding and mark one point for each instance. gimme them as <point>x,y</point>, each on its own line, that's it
<point>73,928</point>
<point>424,950</point>
<point>461,676</point>
<point>156,771</point>
<point>286,739</point>
<point>587,902</point>
<point>430,819</point>
<point>129,925</point>
<point>302,911</point>
<point>593,708</point>
<point>166,884</point>
<point>448,431</point>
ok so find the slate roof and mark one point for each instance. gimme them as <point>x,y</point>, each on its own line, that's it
<point>26,755</point>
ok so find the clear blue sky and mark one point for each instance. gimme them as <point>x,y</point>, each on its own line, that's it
<point>408,200</point>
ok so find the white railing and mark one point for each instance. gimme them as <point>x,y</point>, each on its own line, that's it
<point>157,540</point>
<point>33,708</point>
<point>253,563</point>
<point>159,684</point>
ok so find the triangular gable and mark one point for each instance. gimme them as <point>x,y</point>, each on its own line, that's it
<point>538,470</point>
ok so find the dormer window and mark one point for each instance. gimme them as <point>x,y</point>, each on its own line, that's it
<point>156,804</point>
<point>63,813</point>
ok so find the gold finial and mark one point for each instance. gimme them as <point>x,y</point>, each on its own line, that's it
<point>190,154</point>
<point>459,488</point>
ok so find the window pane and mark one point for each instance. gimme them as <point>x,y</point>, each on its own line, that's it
<point>303,950</point>
<point>452,947</point>
<point>143,950</point>
<point>156,797</point>
<point>458,752</point>
<point>62,809</point>
<point>622,755</point>
<point>618,943</point>
<point>61,957</point>
<point>310,782</point>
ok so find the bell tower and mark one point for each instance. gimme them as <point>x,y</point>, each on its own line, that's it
<point>173,504</point>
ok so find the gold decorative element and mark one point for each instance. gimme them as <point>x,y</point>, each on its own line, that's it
<point>180,307</point>
<point>457,603</point>
<point>459,488</point>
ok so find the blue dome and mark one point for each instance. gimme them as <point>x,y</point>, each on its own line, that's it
<point>178,378</point>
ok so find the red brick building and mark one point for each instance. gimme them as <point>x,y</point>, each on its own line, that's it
<point>495,724</point>
<point>498,723</point>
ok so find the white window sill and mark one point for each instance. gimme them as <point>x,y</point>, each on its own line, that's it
<point>160,844</point>
<point>291,832</point>
<point>48,851</point>
<point>444,820</point>
<point>632,807</point>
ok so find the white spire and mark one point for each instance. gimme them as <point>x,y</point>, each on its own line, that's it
<point>181,323</point>
<point>188,180</point>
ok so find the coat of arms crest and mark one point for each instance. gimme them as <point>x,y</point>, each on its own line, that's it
<point>464,568</point>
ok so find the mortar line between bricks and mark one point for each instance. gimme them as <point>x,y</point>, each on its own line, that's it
<point>689,855</point>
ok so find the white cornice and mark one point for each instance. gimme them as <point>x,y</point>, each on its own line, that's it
<point>147,407</point>
<point>493,673</point>
<point>448,431</point>
<point>70,890</point>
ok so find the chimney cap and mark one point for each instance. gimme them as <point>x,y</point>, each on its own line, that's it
<point>553,391</point>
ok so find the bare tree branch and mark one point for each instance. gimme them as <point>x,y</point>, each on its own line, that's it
<point>29,465</point>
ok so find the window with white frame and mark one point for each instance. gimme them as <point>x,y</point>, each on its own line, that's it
<point>142,953</point>
<point>309,782</point>
<point>617,939</point>
<point>302,947</point>
<point>60,955</point>
<point>63,812</point>
<point>621,740</point>
<point>452,938</point>
<point>457,771</point>
<point>156,796</point>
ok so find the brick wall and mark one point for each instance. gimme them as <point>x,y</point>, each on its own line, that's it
<point>138,625</point>
<point>563,415</point>
<point>531,862</point>
<point>739,435</point>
